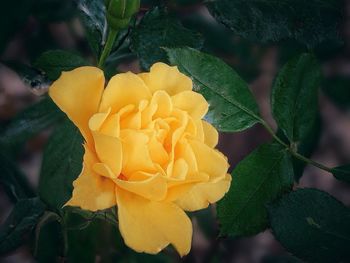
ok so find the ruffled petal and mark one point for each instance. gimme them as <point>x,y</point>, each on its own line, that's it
<point>153,188</point>
<point>149,226</point>
<point>164,77</point>
<point>209,161</point>
<point>78,94</point>
<point>136,156</point>
<point>109,151</point>
<point>203,194</point>
<point>191,102</point>
<point>91,191</point>
<point>124,89</point>
<point>211,135</point>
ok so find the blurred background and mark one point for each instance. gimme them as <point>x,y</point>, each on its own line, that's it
<point>56,24</point>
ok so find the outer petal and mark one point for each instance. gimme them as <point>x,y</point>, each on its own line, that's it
<point>91,191</point>
<point>209,161</point>
<point>153,188</point>
<point>203,194</point>
<point>149,226</point>
<point>124,89</point>
<point>109,151</point>
<point>78,94</point>
<point>164,77</point>
<point>211,135</point>
<point>191,102</point>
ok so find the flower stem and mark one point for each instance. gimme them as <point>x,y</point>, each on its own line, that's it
<point>108,47</point>
<point>293,152</point>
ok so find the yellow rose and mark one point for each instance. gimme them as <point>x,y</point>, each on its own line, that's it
<point>147,151</point>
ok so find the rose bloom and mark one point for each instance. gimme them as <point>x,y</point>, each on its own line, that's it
<point>147,151</point>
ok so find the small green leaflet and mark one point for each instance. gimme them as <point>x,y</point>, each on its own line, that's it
<point>312,225</point>
<point>256,181</point>
<point>295,97</point>
<point>21,221</point>
<point>232,105</point>
<point>310,23</point>
<point>53,62</point>
<point>157,30</point>
<point>62,163</point>
<point>342,173</point>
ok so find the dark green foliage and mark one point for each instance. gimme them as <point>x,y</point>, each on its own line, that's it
<point>54,62</point>
<point>11,178</point>
<point>256,181</point>
<point>62,163</point>
<point>308,22</point>
<point>158,30</point>
<point>338,90</point>
<point>294,97</point>
<point>342,173</point>
<point>92,14</point>
<point>21,221</point>
<point>29,122</point>
<point>312,225</point>
<point>232,106</point>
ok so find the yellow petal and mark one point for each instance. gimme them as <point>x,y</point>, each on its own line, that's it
<point>136,156</point>
<point>104,170</point>
<point>149,226</point>
<point>91,191</point>
<point>164,77</point>
<point>163,102</point>
<point>209,161</point>
<point>177,188</point>
<point>122,90</point>
<point>211,135</point>
<point>109,151</point>
<point>203,194</point>
<point>78,94</point>
<point>153,188</point>
<point>191,102</point>
<point>97,120</point>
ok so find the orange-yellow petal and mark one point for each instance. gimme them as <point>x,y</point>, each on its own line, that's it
<point>78,94</point>
<point>209,161</point>
<point>165,77</point>
<point>191,102</point>
<point>153,188</point>
<point>124,89</point>
<point>149,226</point>
<point>91,191</point>
<point>211,135</point>
<point>109,151</point>
<point>203,194</point>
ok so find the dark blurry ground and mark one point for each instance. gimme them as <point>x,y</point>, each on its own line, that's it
<point>333,148</point>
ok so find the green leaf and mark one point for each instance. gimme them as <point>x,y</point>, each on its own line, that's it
<point>19,223</point>
<point>14,182</point>
<point>62,164</point>
<point>34,78</point>
<point>92,14</point>
<point>295,97</point>
<point>232,105</point>
<point>49,239</point>
<point>308,22</point>
<point>257,180</point>
<point>53,62</point>
<point>337,89</point>
<point>342,173</point>
<point>312,225</point>
<point>29,122</point>
<point>156,30</point>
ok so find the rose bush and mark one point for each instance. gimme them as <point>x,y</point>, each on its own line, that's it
<point>147,151</point>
